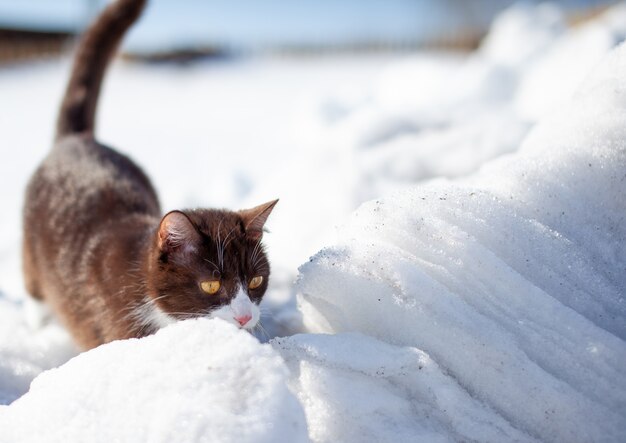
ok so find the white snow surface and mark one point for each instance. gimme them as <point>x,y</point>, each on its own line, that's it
<point>476,294</point>
<point>356,388</point>
<point>512,279</point>
<point>195,381</point>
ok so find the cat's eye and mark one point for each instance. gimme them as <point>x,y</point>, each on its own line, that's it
<point>255,282</point>
<point>210,287</point>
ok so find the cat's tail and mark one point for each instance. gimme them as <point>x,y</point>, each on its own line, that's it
<point>95,49</point>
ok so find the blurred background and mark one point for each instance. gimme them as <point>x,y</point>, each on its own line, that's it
<point>323,104</point>
<point>189,29</point>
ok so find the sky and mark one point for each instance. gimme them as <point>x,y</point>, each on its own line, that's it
<point>168,24</point>
<point>242,22</point>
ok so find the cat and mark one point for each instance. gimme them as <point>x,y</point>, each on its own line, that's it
<point>96,247</point>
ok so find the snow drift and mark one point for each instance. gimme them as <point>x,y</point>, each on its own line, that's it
<point>490,308</point>
<point>197,381</point>
<point>355,388</point>
<point>433,115</point>
<point>512,280</point>
<point>24,354</point>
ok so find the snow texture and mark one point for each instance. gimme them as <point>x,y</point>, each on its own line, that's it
<point>356,388</point>
<point>197,381</point>
<point>476,295</point>
<point>513,280</point>
<point>25,355</point>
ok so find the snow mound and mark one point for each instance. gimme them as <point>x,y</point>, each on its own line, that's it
<point>353,386</point>
<point>512,280</point>
<point>196,381</point>
<point>435,115</point>
<point>27,353</point>
<point>522,32</point>
<point>554,76</point>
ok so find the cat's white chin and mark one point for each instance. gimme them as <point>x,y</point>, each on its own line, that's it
<point>241,312</point>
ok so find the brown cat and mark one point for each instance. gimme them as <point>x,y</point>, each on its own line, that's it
<point>96,248</point>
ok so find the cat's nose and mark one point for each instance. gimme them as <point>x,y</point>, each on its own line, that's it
<point>242,320</point>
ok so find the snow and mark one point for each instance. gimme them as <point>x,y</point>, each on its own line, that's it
<point>513,279</point>
<point>466,220</point>
<point>24,354</point>
<point>207,390</point>
<point>354,387</point>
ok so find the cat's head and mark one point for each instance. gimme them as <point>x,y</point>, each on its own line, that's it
<point>209,262</point>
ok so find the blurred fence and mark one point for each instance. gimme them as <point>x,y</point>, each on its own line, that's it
<point>19,45</point>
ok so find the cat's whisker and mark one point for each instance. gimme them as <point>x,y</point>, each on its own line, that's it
<point>223,244</point>
<point>262,329</point>
<point>256,253</point>
<point>220,251</point>
<point>256,264</point>
<point>210,262</point>
<point>134,306</point>
<point>191,315</point>
<point>259,259</point>
<point>160,297</point>
<point>267,315</point>
<point>139,313</point>
<point>226,242</point>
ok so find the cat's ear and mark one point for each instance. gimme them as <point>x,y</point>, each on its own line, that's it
<point>177,233</point>
<point>254,219</point>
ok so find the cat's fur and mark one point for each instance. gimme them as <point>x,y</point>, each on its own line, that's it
<point>96,247</point>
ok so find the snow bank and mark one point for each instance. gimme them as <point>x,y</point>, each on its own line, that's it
<point>522,32</point>
<point>433,115</point>
<point>553,77</point>
<point>25,353</point>
<point>196,381</point>
<point>513,280</point>
<point>355,388</point>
